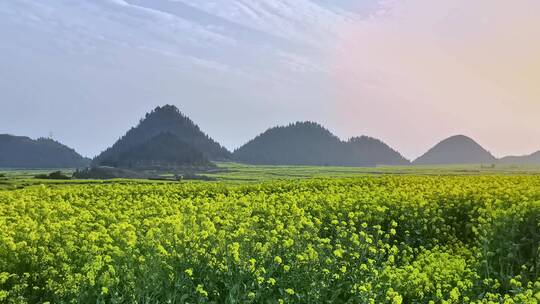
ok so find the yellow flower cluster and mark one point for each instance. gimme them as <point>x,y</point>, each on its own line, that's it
<point>400,239</point>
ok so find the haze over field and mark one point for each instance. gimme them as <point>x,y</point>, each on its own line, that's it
<point>408,72</point>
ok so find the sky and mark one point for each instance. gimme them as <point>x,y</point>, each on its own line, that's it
<point>409,72</point>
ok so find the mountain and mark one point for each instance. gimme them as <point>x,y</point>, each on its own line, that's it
<point>525,159</point>
<point>24,152</point>
<point>162,120</point>
<point>367,151</point>
<point>458,149</point>
<point>301,143</point>
<point>164,150</point>
<point>308,143</point>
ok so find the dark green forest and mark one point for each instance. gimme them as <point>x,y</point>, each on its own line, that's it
<point>164,150</point>
<point>162,119</point>
<point>309,143</point>
<point>23,152</point>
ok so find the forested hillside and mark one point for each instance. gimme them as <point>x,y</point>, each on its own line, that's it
<point>24,152</point>
<point>309,143</point>
<point>163,119</point>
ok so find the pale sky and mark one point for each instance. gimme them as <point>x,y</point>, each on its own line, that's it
<point>409,72</point>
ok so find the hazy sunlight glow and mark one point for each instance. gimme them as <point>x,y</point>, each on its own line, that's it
<point>430,69</point>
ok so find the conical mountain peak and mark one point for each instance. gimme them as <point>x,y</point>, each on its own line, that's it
<point>458,149</point>
<point>164,119</point>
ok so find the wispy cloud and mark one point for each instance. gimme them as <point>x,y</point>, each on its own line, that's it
<point>147,52</point>
<point>375,67</point>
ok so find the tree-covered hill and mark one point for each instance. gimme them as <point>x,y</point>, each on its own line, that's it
<point>367,151</point>
<point>457,149</point>
<point>164,150</point>
<point>27,153</point>
<point>309,143</point>
<point>301,143</point>
<point>525,159</point>
<point>163,119</point>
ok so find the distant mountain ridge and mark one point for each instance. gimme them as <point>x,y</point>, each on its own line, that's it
<point>165,119</point>
<point>166,137</point>
<point>522,160</point>
<point>309,143</point>
<point>42,153</point>
<point>457,149</point>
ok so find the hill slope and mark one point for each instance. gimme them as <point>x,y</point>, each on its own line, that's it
<point>525,159</point>
<point>308,143</point>
<point>301,143</point>
<point>161,120</point>
<point>163,150</point>
<point>458,149</point>
<point>368,151</point>
<point>27,153</point>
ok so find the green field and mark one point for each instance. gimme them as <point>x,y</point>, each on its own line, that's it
<point>250,173</point>
<point>241,173</point>
<point>263,234</point>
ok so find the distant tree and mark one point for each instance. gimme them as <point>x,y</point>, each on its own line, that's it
<point>58,175</point>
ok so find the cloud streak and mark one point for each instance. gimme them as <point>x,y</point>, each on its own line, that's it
<point>103,63</point>
<point>409,72</point>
